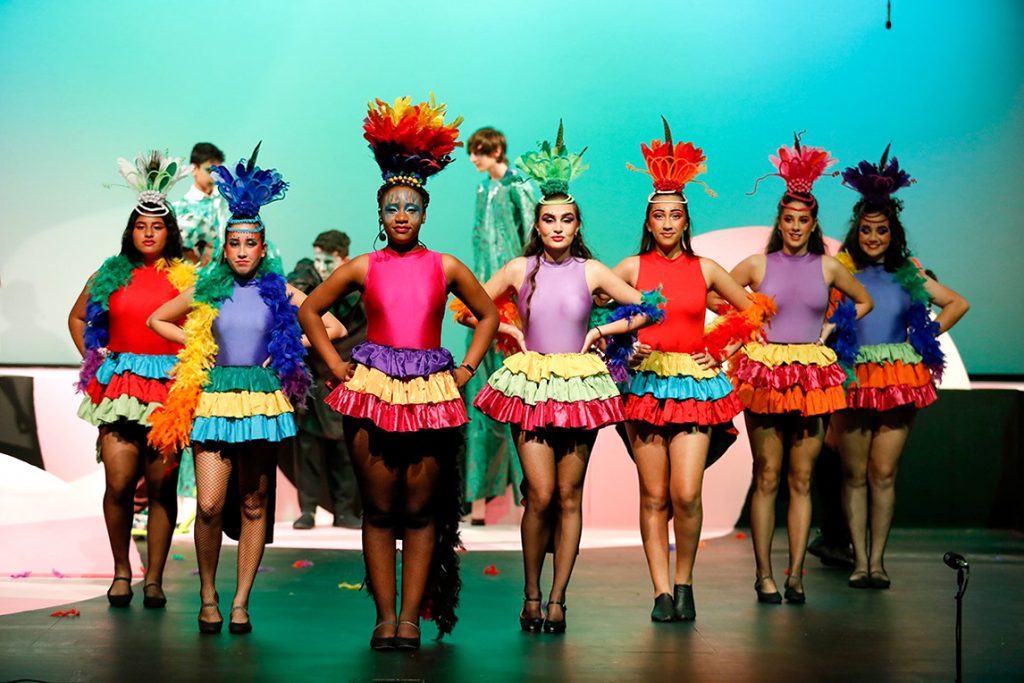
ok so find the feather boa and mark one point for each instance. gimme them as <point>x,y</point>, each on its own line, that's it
<point>620,347</point>
<point>115,273</point>
<point>731,325</point>
<point>172,422</point>
<point>844,337</point>
<point>508,313</point>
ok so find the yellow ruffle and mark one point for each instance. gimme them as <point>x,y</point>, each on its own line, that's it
<point>665,364</point>
<point>540,366</point>
<point>436,388</point>
<point>242,404</point>
<point>774,355</point>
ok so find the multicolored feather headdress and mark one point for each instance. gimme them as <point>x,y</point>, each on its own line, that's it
<point>800,166</point>
<point>553,167</point>
<point>152,175</point>
<point>672,166</point>
<point>877,183</point>
<point>410,142</point>
<point>248,190</point>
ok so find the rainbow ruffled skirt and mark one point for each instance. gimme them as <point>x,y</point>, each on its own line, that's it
<point>890,376</point>
<point>401,390</point>
<point>127,386</point>
<point>789,378</point>
<point>242,403</point>
<point>672,389</point>
<point>567,390</point>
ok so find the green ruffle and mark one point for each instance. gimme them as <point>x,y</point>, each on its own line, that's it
<point>109,410</point>
<point>558,389</point>
<point>242,378</point>
<point>888,353</point>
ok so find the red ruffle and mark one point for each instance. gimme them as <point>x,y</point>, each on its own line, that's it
<point>573,415</point>
<point>871,398</point>
<point>807,377</point>
<point>145,389</point>
<point>648,409</point>
<point>398,418</point>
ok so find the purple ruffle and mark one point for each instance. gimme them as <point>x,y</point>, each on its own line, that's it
<point>403,363</point>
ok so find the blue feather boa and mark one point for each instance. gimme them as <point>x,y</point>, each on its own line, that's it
<point>844,339</point>
<point>620,347</point>
<point>287,355</point>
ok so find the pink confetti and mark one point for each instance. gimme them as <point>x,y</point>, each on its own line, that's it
<point>21,575</point>
<point>302,564</point>
<point>58,574</point>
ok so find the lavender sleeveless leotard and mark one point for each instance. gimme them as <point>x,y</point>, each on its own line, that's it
<point>559,311</point>
<point>798,287</point>
<point>887,321</point>
<point>243,326</point>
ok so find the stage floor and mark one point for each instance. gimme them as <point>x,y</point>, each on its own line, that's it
<point>307,628</point>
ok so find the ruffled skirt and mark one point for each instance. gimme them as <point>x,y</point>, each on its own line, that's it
<point>566,390</point>
<point>242,403</point>
<point>672,389</point>
<point>401,390</point>
<point>789,378</point>
<point>890,376</point>
<point>127,386</point>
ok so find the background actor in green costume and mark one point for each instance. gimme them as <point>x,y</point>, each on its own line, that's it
<point>502,199</point>
<point>320,451</point>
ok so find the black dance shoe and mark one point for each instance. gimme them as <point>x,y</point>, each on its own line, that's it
<point>663,610</point>
<point>210,627</point>
<point>407,644</point>
<point>240,627</point>
<point>555,626</point>
<point>859,579</point>
<point>120,600</point>
<point>773,598</point>
<point>157,599</point>
<point>879,579</point>
<point>683,606</point>
<point>305,521</point>
<point>794,596</point>
<point>530,624</point>
<point>382,642</point>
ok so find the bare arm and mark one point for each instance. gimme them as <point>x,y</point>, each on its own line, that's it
<point>602,280</point>
<point>348,277</point>
<point>76,318</point>
<point>750,271</point>
<point>464,285</point>
<point>164,320</point>
<point>335,328</point>
<point>953,305</point>
<point>722,283</point>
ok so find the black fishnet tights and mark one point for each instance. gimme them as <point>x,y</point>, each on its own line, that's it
<point>256,462</point>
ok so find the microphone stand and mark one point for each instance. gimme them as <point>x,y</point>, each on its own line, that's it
<point>962,577</point>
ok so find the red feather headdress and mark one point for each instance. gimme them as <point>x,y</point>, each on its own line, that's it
<point>800,166</point>
<point>410,142</point>
<point>672,166</point>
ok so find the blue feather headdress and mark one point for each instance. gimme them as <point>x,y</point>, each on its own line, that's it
<point>249,189</point>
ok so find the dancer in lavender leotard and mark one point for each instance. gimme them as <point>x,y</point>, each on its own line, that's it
<point>555,393</point>
<point>789,382</point>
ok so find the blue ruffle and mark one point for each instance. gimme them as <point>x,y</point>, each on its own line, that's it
<point>242,429</point>
<point>151,367</point>
<point>679,388</point>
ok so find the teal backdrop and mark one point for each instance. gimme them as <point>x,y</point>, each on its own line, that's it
<point>85,82</point>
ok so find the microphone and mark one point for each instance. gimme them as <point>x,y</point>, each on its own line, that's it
<point>955,560</point>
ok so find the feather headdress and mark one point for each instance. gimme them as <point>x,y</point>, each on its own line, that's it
<point>410,142</point>
<point>800,166</point>
<point>553,167</point>
<point>249,189</point>
<point>152,175</point>
<point>672,166</point>
<point>877,183</point>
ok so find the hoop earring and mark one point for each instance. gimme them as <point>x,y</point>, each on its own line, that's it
<point>381,235</point>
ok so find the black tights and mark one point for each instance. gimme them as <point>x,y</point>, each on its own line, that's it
<point>256,462</point>
<point>126,457</point>
<point>397,480</point>
<point>554,465</point>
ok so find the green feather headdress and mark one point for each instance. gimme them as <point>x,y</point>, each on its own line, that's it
<point>553,167</point>
<point>153,175</point>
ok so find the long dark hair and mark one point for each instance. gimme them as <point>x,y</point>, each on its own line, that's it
<point>898,252</point>
<point>816,242</point>
<point>535,247</point>
<point>649,244</point>
<point>172,248</point>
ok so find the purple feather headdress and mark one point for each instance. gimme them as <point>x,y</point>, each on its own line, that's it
<point>877,183</point>
<point>250,188</point>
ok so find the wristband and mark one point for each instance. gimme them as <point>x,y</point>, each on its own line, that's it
<point>470,368</point>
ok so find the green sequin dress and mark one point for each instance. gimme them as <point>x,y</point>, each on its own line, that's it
<point>504,214</point>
